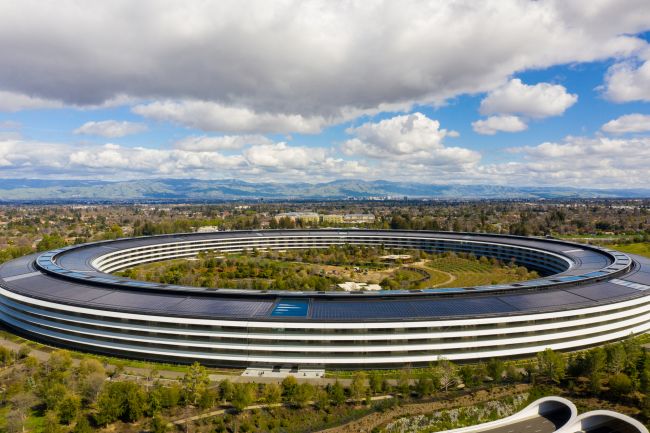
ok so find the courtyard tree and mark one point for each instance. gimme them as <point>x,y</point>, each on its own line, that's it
<point>551,365</point>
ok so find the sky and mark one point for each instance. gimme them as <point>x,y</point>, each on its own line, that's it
<point>507,92</point>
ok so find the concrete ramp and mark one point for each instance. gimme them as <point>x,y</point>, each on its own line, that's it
<point>603,421</point>
<point>545,415</point>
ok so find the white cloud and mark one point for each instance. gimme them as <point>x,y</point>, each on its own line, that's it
<point>225,142</point>
<point>111,128</point>
<point>576,161</point>
<point>294,67</point>
<point>494,124</point>
<point>539,100</point>
<point>155,161</point>
<point>399,135</point>
<point>211,116</point>
<point>628,123</point>
<point>13,101</point>
<point>408,138</point>
<point>23,158</point>
<point>280,156</point>
<point>581,162</point>
<point>629,80</point>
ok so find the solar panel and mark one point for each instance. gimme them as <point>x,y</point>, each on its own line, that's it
<point>224,307</point>
<point>16,267</point>
<point>542,299</point>
<point>602,291</point>
<point>75,293</point>
<point>137,300</point>
<point>391,309</point>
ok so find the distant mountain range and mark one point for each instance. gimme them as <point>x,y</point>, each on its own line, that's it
<point>34,190</point>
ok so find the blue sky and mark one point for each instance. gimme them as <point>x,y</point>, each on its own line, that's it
<point>503,92</point>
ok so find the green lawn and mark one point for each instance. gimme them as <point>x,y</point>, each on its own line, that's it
<point>641,248</point>
<point>472,272</point>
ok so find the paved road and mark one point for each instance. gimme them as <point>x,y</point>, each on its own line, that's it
<point>546,423</point>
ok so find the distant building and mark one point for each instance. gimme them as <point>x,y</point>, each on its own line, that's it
<point>333,218</point>
<point>308,217</point>
<point>359,218</point>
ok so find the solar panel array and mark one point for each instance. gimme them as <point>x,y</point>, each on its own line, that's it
<point>145,296</point>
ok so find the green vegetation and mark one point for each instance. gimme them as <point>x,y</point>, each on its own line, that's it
<point>73,392</point>
<point>323,269</point>
<point>68,394</point>
<point>640,248</point>
<point>471,271</point>
<point>459,417</point>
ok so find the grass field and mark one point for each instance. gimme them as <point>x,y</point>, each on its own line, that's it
<point>640,248</point>
<point>473,272</point>
<point>444,270</point>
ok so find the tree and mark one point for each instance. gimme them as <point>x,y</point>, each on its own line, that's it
<point>243,396</point>
<point>424,386</point>
<point>6,356</point>
<point>289,388</point>
<point>620,384</point>
<point>304,393</point>
<point>58,367</point>
<point>158,424</point>
<point>195,382</point>
<point>596,361</point>
<point>21,403</point>
<point>120,400</point>
<point>404,383</point>
<point>82,426</point>
<point>226,390</point>
<point>51,242</point>
<point>595,383</point>
<point>495,369</point>
<point>359,386</point>
<point>52,393</point>
<point>109,406</point>
<point>91,386</point>
<point>51,423</point>
<point>551,365</point>
<point>166,396</point>
<point>90,365</point>
<point>322,398</point>
<point>645,374</point>
<point>448,373</point>
<point>468,375</point>
<point>272,393</point>
<point>616,358</point>
<point>68,408</point>
<point>207,398</point>
<point>336,393</point>
<point>375,382</point>
<point>513,373</point>
<point>633,352</point>
<point>134,403</point>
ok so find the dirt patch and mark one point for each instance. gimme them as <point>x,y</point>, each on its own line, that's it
<point>362,276</point>
<point>368,422</point>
